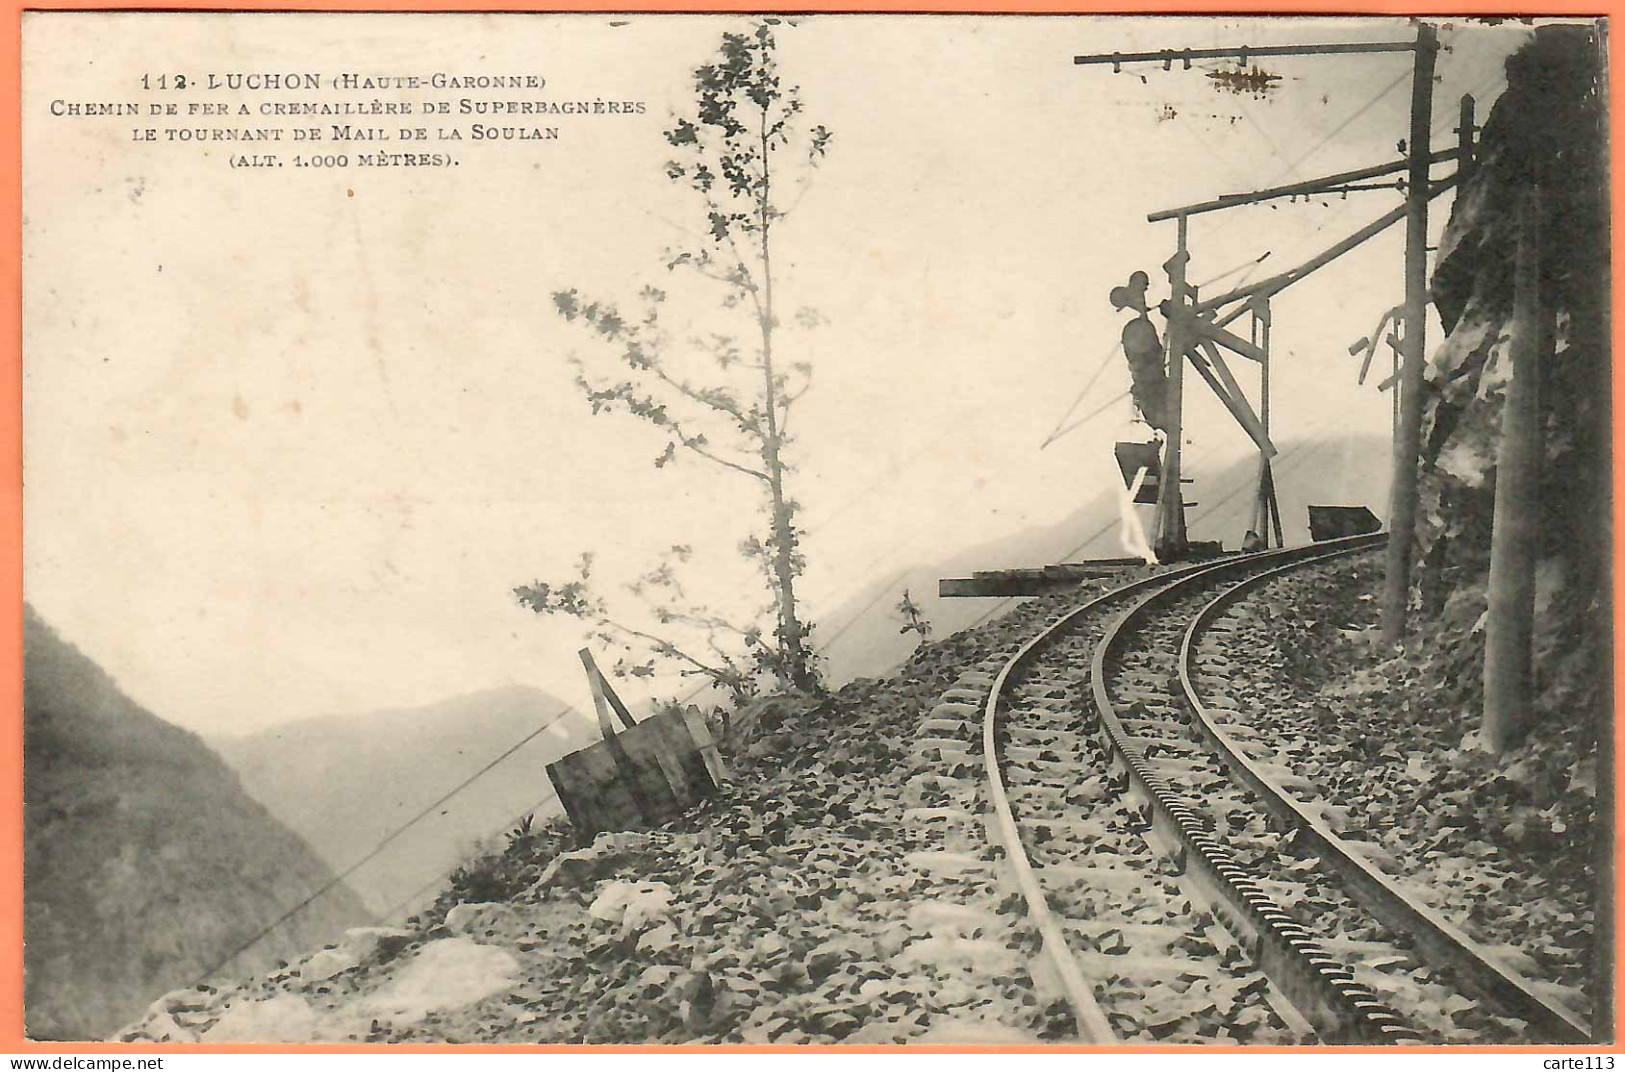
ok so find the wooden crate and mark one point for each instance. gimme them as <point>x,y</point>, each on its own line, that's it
<point>640,775</point>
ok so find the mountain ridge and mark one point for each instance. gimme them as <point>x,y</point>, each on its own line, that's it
<point>869,644</point>
<point>349,783</point>
<point>146,863</point>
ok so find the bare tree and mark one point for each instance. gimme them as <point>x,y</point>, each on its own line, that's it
<point>742,149</point>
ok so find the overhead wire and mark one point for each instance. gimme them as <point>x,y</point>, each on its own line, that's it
<point>442,876</point>
<point>1250,268</point>
<point>382,844</point>
<point>1105,362</point>
<point>1439,128</point>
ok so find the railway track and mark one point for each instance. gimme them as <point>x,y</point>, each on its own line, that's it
<point>1186,887</point>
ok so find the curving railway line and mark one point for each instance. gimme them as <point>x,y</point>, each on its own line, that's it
<point>1187,886</point>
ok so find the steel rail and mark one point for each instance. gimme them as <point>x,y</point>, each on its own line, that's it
<point>1377,1023</point>
<point>1093,1027</point>
<point>1321,988</point>
<point>1476,970</point>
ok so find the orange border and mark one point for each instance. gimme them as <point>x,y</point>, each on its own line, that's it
<point>11,854</point>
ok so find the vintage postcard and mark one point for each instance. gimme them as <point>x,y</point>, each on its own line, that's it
<point>816,531</point>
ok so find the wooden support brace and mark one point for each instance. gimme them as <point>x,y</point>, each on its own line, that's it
<point>1275,284</point>
<point>1328,184</point>
<point>1370,341</point>
<point>1232,397</point>
<point>1229,340</point>
<point>1274,505</point>
<point>701,733</point>
<point>1200,364</point>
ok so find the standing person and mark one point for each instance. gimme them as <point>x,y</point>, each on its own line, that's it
<point>1143,349</point>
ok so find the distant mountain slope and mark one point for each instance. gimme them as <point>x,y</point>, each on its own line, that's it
<point>346,782</point>
<point>145,862</point>
<point>1350,469</point>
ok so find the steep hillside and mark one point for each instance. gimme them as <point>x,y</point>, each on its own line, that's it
<point>1328,470</point>
<point>793,907</point>
<point>346,782</point>
<point>145,862</point>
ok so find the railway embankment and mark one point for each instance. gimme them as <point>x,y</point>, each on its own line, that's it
<point>861,880</point>
<point>820,898</point>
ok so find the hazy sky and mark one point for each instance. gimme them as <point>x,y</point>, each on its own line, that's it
<point>291,436</point>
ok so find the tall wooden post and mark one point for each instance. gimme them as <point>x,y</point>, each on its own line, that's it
<point>1170,528</point>
<point>1266,512</point>
<point>1509,686</point>
<point>1398,390</point>
<point>1402,511</point>
<point>1602,866</point>
<point>1466,156</point>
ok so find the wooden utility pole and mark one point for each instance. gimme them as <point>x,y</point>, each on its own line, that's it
<point>1402,512</point>
<point>1467,154</point>
<point>1196,327</point>
<point>1509,687</point>
<point>1170,528</point>
<point>1266,511</point>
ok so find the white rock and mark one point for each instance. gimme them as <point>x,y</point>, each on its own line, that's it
<point>767,946</point>
<point>978,955</point>
<point>369,942</point>
<point>583,865</point>
<point>160,1026</point>
<point>658,939</point>
<point>476,919</point>
<point>446,974</point>
<point>948,920</point>
<point>283,1018</point>
<point>327,963</point>
<point>184,999</point>
<point>636,906</point>
<point>621,842</point>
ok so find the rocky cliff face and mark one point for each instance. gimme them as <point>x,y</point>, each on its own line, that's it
<point>1546,130</point>
<point>145,863</point>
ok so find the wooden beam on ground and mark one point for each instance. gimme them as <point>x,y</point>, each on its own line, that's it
<point>645,807</point>
<point>603,697</point>
<point>1032,581</point>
